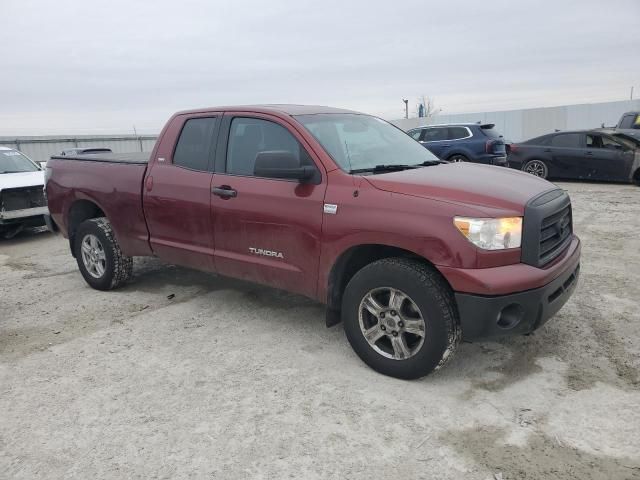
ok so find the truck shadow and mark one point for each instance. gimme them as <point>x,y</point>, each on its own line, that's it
<point>28,235</point>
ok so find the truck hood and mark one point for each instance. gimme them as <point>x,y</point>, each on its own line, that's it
<point>22,179</point>
<point>466,183</point>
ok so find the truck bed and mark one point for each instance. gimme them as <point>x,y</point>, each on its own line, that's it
<point>139,158</point>
<point>113,183</point>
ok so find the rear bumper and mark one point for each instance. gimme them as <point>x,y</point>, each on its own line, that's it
<point>489,159</point>
<point>483,316</point>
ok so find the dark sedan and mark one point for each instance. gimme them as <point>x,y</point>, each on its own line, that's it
<point>584,155</point>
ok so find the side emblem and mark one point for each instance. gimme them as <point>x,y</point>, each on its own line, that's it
<point>330,208</point>
<point>265,253</point>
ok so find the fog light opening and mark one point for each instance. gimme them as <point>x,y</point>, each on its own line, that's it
<point>510,316</point>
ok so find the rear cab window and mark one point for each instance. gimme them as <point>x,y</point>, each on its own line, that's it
<point>194,146</point>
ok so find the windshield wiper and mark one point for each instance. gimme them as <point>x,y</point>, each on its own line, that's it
<point>396,168</point>
<point>384,168</point>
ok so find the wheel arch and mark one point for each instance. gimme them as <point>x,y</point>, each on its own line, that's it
<point>352,260</point>
<point>79,211</point>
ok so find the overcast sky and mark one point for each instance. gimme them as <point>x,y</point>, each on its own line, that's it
<point>104,66</point>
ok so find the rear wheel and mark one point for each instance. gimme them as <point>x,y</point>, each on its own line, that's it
<point>400,318</point>
<point>458,158</point>
<point>537,168</point>
<point>99,257</point>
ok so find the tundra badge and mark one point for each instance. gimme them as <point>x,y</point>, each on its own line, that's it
<point>265,253</point>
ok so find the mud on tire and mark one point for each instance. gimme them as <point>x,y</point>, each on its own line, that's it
<point>432,301</point>
<point>117,267</point>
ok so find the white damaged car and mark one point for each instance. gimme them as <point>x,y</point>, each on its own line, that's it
<point>22,201</point>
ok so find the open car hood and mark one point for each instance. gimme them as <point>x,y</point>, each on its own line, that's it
<point>22,179</point>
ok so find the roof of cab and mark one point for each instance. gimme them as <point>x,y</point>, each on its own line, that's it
<point>282,109</point>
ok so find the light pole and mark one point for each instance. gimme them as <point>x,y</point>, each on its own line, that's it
<point>406,107</point>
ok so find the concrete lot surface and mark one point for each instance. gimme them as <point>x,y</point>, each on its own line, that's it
<point>183,374</point>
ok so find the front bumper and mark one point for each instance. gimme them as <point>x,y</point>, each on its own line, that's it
<point>516,313</point>
<point>8,217</point>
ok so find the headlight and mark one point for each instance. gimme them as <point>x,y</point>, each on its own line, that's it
<point>491,233</point>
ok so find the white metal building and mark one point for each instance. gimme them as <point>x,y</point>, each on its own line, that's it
<point>518,125</point>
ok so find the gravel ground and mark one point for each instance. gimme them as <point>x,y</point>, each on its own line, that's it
<point>186,375</point>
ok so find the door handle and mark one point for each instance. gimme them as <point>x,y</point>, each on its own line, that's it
<point>224,191</point>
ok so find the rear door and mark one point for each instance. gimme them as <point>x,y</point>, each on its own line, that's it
<point>435,139</point>
<point>177,192</point>
<point>567,152</point>
<point>266,230</point>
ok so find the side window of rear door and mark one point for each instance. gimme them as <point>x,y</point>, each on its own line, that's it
<point>434,134</point>
<point>194,147</point>
<point>457,133</point>
<point>567,140</point>
<point>248,137</point>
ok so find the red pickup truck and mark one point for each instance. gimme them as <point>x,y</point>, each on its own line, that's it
<point>411,253</point>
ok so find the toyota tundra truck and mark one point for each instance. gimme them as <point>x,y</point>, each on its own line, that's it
<point>412,254</point>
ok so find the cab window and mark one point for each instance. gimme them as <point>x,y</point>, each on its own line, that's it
<point>194,145</point>
<point>250,136</point>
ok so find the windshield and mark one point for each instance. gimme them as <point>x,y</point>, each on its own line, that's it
<point>358,142</point>
<point>12,161</point>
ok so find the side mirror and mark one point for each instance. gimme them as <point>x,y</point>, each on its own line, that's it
<point>281,164</point>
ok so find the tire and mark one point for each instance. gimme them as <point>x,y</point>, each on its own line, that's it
<point>458,158</point>
<point>428,298</point>
<point>102,265</point>
<point>536,167</point>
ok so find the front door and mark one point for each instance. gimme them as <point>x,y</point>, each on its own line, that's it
<point>608,159</point>
<point>265,230</point>
<point>177,193</point>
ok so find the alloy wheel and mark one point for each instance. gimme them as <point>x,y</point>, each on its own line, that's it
<point>93,256</point>
<point>536,168</point>
<point>392,323</point>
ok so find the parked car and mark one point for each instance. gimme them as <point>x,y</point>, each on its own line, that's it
<point>629,120</point>
<point>22,202</point>
<point>410,252</point>
<point>584,154</point>
<point>84,151</point>
<point>465,142</point>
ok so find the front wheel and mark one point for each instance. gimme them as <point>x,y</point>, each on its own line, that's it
<point>400,318</point>
<point>537,168</point>
<point>99,257</point>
